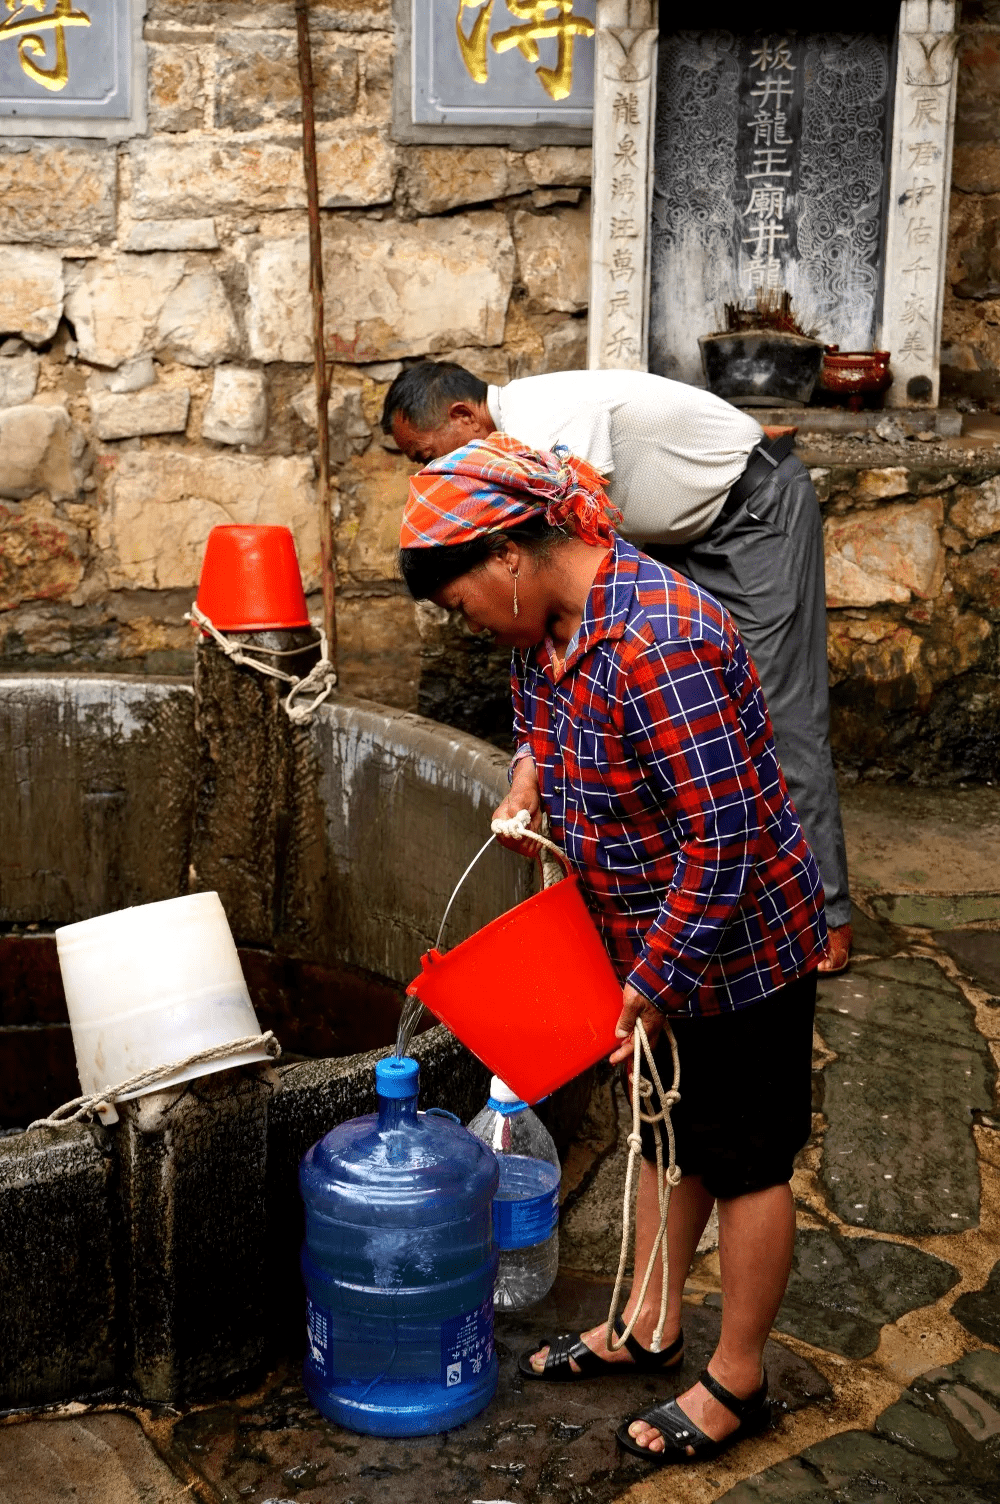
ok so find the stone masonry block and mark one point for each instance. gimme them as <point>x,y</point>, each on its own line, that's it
<point>257,79</point>
<point>176,87</point>
<point>430,286</point>
<point>438,178</point>
<point>890,554</point>
<point>170,235</point>
<point>39,451</point>
<point>18,378</point>
<point>128,416</point>
<point>41,556</point>
<point>166,302</point>
<point>31,292</point>
<point>553,257</point>
<point>159,509</point>
<point>253,15</point>
<point>57,1250</point>
<point>375,486</point>
<point>58,194</point>
<point>237,409</point>
<point>976,509</point>
<point>198,177</point>
<point>192,1162</point>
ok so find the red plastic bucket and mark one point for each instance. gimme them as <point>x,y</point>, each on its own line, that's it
<point>533,994</point>
<point>250,580</point>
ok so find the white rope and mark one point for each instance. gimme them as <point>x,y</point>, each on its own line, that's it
<point>81,1107</point>
<point>517,827</point>
<point>642,1090</point>
<point>321,678</point>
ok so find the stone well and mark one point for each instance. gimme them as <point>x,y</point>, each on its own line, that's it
<point>157,1258</point>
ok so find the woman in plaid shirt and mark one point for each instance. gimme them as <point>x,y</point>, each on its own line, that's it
<point>641,730</point>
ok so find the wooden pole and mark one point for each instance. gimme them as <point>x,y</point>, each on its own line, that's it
<point>328,568</point>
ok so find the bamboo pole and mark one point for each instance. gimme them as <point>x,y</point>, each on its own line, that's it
<point>328,568</point>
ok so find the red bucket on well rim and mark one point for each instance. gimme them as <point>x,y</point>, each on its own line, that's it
<point>250,580</point>
<point>533,993</point>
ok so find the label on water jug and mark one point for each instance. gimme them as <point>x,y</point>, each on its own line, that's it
<point>318,1333</point>
<point>467,1345</point>
<point>522,1224</point>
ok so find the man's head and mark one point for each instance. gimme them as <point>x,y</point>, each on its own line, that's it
<point>436,407</point>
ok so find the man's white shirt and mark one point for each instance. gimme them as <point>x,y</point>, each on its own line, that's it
<point>670,452</point>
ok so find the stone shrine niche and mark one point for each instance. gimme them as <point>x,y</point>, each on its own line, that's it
<point>72,68</point>
<point>770,174</point>
<point>817,163</point>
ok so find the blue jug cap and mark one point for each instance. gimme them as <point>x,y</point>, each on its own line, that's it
<point>397,1076</point>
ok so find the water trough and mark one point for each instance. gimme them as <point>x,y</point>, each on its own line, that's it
<point>157,1259</point>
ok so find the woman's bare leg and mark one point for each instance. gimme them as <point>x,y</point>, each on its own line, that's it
<point>756,1238</point>
<point>690,1208</point>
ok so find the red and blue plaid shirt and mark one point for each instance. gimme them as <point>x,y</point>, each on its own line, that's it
<point>657,766</point>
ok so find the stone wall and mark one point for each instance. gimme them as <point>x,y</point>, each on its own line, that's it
<point>155,371</point>
<point>155,361</point>
<point>970,350</point>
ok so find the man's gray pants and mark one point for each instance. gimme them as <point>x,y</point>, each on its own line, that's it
<point>765,564</point>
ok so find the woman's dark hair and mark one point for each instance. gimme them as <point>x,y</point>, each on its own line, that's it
<point>428,570</point>
<point>424,393</point>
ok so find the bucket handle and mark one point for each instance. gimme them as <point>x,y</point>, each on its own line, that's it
<point>518,827</point>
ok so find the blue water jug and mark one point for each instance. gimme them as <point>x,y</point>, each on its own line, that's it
<point>399,1266</point>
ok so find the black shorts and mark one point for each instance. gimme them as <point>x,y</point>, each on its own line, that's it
<point>746,1091</point>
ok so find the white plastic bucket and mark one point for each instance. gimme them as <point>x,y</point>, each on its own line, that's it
<point>153,984</point>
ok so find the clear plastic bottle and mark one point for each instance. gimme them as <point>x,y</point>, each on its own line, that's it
<point>526,1204</point>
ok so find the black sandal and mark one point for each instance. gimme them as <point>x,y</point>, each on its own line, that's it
<point>568,1346</point>
<point>680,1432</point>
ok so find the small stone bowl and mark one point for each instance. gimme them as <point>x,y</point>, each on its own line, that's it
<point>855,374</point>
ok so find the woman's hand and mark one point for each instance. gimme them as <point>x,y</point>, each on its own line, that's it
<point>635,1006</point>
<point>524,794</point>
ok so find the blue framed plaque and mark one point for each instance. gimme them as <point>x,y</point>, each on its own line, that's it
<point>503,62</point>
<point>71,67</point>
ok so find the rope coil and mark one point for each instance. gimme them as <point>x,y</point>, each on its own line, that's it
<point>321,678</point>
<point>642,1091</point>
<point>88,1106</point>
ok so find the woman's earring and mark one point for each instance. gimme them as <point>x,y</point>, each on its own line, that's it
<point>513,574</point>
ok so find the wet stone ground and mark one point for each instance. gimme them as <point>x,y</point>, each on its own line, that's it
<point>884,1359</point>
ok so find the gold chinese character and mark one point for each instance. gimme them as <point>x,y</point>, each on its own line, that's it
<point>473,46</point>
<point>564,26</point>
<point>31,44</point>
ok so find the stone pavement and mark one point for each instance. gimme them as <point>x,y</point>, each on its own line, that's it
<point>884,1355</point>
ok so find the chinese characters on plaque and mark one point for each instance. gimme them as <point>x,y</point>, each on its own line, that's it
<point>769,178</point>
<point>503,62</point>
<point>65,58</point>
